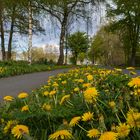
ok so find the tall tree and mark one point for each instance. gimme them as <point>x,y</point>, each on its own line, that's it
<point>2,29</point>
<point>127,19</point>
<point>62,10</point>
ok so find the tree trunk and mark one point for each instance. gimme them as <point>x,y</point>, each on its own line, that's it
<point>62,41</point>
<point>9,55</point>
<point>133,56</point>
<point>2,37</point>
<point>30,34</point>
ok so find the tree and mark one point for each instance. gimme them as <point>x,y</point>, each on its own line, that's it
<point>106,48</point>
<point>126,16</point>
<point>14,15</point>
<point>62,10</point>
<point>78,43</point>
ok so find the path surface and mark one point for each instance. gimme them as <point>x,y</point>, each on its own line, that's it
<point>25,83</point>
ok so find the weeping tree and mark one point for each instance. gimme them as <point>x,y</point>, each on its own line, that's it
<point>62,10</point>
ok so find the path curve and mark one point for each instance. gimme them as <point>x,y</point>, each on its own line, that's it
<point>25,83</point>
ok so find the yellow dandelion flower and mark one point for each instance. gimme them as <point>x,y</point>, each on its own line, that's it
<point>90,94</point>
<point>133,73</point>
<point>46,107</point>
<point>118,70</point>
<point>46,93</point>
<point>137,92</point>
<point>8,98</point>
<point>134,82</point>
<point>123,130</point>
<point>112,104</point>
<point>130,68</point>
<point>90,77</point>
<point>10,124</point>
<point>55,84</point>
<point>23,95</point>
<point>93,133</point>
<point>133,119</point>
<point>19,130</point>
<point>53,92</point>
<point>76,89</point>
<point>64,98</point>
<point>87,85</point>
<point>87,116</point>
<point>80,80</point>
<point>61,135</point>
<point>25,108</point>
<point>74,121</point>
<point>64,82</point>
<point>108,136</point>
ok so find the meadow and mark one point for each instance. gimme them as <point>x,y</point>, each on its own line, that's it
<point>83,104</point>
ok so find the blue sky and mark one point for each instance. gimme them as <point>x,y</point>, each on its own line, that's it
<point>52,31</point>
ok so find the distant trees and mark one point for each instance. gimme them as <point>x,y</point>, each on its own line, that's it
<point>106,48</point>
<point>78,43</point>
<point>126,19</point>
<point>14,18</point>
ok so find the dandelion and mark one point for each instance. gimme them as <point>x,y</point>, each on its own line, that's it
<point>90,77</point>
<point>90,95</point>
<point>19,130</point>
<point>134,82</point>
<point>53,92</point>
<point>23,95</point>
<point>10,124</point>
<point>130,68</point>
<point>80,80</point>
<point>133,73</point>
<point>87,85</point>
<point>8,98</point>
<point>108,136</point>
<point>64,82</point>
<point>74,121</point>
<point>64,98</point>
<point>133,119</point>
<point>118,70</point>
<point>61,135</point>
<point>93,133</point>
<point>76,89</point>
<point>123,130</point>
<point>112,104</point>
<point>46,93</point>
<point>137,92</point>
<point>46,107</point>
<point>87,116</point>
<point>25,108</point>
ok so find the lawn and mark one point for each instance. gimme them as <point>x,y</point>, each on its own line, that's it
<point>12,68</point>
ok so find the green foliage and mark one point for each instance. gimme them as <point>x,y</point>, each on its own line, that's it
<point>11,68</point>
<point>126,19</point>
<point>78,43</point>
<point>106,48</point>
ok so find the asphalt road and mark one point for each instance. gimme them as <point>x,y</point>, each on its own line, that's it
<point>25,83</point>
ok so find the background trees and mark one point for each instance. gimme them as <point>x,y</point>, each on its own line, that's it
<point>78,43</point>
<point>106,48</point>
<point>126,15</point>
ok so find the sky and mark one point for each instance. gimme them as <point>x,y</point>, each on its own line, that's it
<point>52,31</point>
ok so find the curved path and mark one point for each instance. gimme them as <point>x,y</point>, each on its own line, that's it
<point>25,83</point>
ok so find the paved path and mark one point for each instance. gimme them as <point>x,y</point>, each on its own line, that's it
<point>28,82</point>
